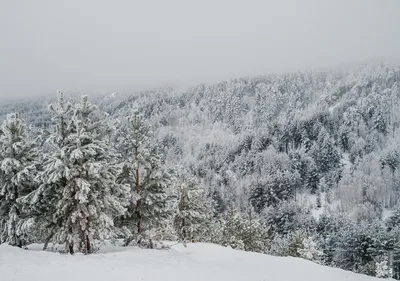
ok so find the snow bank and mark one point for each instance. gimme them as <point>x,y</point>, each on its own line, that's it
<point>197,262</point>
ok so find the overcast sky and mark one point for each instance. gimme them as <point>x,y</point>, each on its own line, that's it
<point>100,46</point>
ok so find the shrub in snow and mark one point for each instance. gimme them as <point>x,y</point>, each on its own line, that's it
<point>163,232</point>
<point>382,268</point>
<point>309,249</point>
<point>279,246</point>
<point>243,231</point>
<point>296,244</point>
<point>368,268</point>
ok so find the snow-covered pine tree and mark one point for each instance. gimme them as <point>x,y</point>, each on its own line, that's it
<point>325,153</point>
<point>53,177</point>
<point>142,170</point>
<point>79,180</point>
<point>91,188</point>
<point>312,177</point>
<point>231,230</point>
<point>194,212</point>
<point>18,155</point>
<point>310,250</point>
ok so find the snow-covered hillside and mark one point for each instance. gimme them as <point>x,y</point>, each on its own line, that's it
<point>196,262</point>
<point>278,164</point>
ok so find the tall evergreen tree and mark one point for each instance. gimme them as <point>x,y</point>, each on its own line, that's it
<point>53,177</point>
<point>79,181</point>
<point>142,170</point>
<point>17,169</point>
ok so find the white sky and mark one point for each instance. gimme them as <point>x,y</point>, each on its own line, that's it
<point>96,46</point>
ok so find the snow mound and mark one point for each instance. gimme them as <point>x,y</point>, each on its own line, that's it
<point>197,262</point>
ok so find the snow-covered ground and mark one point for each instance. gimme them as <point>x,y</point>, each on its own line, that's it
<point>197,262</point>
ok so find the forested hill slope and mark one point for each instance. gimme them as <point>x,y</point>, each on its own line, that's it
<point>314,132</point>
<point>312,158</point>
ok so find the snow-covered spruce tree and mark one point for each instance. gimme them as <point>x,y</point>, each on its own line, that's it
<point>142,170</point>
<point>17,169</point>
<point>194,212</point>
<point>79,180</point>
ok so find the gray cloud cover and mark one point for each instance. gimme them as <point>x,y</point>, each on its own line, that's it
<point>99,46</point>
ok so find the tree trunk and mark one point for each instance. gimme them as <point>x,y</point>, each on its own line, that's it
<point>184,234</point>
<point>138,205</point>
<point>139,217</point>
<point>46,243</point>
<point>139,201</point>
<point>70,247</point>
<point>19,243</point>
<point>88,246</point>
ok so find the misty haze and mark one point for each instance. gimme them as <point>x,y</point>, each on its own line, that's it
<point>101,46</point>
<point>200,140</point>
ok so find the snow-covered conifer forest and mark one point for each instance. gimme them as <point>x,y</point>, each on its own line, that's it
<point>300,164</point>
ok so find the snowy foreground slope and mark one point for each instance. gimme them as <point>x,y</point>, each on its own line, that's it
<point>197,262</point>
